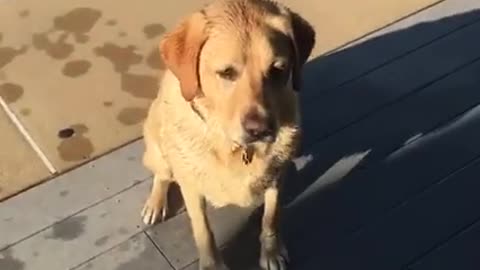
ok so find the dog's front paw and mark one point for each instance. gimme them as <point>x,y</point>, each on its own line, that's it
<point>273,262</point>
<point>273,255</point>
<point>154,209</point>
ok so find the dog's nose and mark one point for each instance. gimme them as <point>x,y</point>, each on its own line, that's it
<point>256,127</point>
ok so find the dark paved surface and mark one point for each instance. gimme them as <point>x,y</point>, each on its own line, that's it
<point>390,171</point>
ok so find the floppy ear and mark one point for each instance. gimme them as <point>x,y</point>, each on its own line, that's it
<point>303,42</point>
<point>180,50</point>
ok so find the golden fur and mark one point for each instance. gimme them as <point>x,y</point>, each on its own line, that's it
<point>233,61</point>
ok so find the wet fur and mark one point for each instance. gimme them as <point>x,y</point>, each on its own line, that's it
<point>185,136</point>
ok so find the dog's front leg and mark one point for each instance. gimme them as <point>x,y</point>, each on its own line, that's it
<point>209,257</point>
<point>273,255</point>
<point>156,206</point>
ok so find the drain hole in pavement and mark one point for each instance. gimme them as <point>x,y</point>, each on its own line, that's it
<point>66,133</point>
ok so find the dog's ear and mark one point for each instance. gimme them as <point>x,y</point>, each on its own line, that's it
<point>180,50</point>
<point>303,42</point>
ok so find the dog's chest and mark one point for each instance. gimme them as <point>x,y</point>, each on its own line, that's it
<point>224,186</point>
<point>234,183</point>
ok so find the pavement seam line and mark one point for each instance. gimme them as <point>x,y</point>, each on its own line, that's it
<point>359,39</point>
<point>157,247</point>
<point>104,252</point>
<point>23,131</point>
<point>22,239</point>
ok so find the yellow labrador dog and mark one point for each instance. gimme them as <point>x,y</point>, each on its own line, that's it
<point>226,119</point>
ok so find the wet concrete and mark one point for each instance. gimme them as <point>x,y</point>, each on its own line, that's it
<point>101,241</point>
<point>123,231</point>
<point>111,22</point>
<point>11,92</point>
<point>77,147</point>
<point>120,57</point>
<point>124,246</point>
<point>66,133</point>
<point>153,30</point>
<point>143,260</point>
<point>9,262</point>
<point>132,116</point>
<point>58,49</point>
<point>68,229</point>
<point>76,68</point>
<point>154,60</point>
<point>78,22</point>
<point>25,111</point>
<point>24,13</point>
<point>8,54</point>
<point>108,103</point>
<point>142,86</point>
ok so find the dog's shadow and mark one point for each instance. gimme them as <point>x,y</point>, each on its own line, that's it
<point>326,185</point>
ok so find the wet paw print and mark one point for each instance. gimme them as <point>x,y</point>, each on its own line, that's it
<point>75,146</point>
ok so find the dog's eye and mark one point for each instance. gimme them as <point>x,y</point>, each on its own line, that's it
<point>277,69</point>
<point>280,65</point>
<point>228,73</point>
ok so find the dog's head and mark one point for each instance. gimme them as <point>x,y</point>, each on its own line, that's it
<point>240,60</point>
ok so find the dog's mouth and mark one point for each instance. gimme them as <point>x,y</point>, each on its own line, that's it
<point>247,146</point>
<point>268,138</point>
<point>246,151</point>
<point>247,142</point>
<point>238,145</point>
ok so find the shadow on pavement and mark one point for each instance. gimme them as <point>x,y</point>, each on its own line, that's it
<point>335,187</point>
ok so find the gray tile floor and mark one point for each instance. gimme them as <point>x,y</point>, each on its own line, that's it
<point>89,218</point>
<point>386,179</point>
